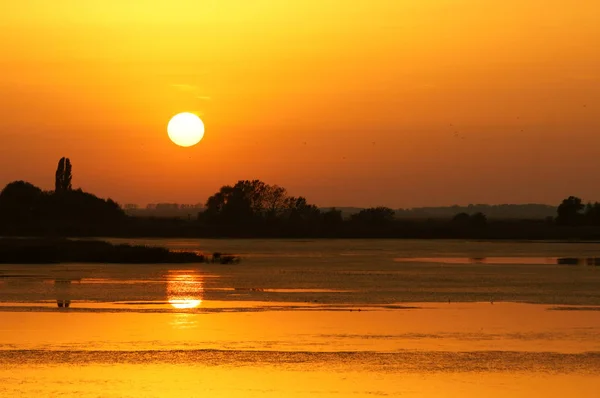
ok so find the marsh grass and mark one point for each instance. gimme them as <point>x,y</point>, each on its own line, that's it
<point>43,251</point>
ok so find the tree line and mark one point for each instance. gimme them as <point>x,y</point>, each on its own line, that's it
<point>28,210</point>
<point>572,212</point>
<point>253,208</point>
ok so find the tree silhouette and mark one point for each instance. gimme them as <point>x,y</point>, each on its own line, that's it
<point>592,213</point>
<point>20,201</point>
<point>63,176</point>
<point>60,171</point>
<point>464,220</point>
<point>299,211</point>
<point>332,217</point>
<point>478,220</point>
<point>79,207</point>
<point>234,205</point>
<point>461,219</point>
<point>276,201</point>
<point>26,208</point>
<point>569,211</point>
<point>374,216</point>
<point>259,204</point>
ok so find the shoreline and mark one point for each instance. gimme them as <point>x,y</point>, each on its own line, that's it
<point>104,237</point>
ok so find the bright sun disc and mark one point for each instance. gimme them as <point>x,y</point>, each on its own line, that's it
<point>185,129</point>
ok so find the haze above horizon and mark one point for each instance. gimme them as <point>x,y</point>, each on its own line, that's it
<point>401,104</point>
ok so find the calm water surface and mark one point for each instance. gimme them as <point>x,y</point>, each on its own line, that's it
<point>324,318</point>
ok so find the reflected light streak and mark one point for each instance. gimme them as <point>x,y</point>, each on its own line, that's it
<point>185,303</point>
<point>184,289</point>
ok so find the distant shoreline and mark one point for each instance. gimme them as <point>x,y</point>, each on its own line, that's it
<point>254,209</point>
<point>517,230</point>
<point>102,237</point>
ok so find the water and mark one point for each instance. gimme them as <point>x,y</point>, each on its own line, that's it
<point>317,318</point>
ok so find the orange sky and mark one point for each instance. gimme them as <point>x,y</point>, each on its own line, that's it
<point>344,102</point>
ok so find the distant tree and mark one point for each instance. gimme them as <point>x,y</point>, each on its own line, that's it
<point>299,211</point>
<point>592,213</point>
<point>20,201</point>
<point>461,219</point>
<point>276,201</point>
<point>332,217</point>
<point>26,208</point>
<point>478,220</point>
<point>60,171</point>
<point>63,176</point>
<point>374,216</point>
<point>252,202</point>
<point>78,207</point>
<point>250,196</point>
<point>505,211</point>
<point>464,220</point>
<point>240,204</point>
<point>215,204</point>
<point>20,192</point>
<point>570,211</point>
<point>167,206</point>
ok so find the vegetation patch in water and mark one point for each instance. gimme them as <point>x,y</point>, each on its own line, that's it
<point>34,251</point>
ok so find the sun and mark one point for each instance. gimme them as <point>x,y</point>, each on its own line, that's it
<point>185,129</point>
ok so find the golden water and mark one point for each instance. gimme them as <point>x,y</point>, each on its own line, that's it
<point>300,319</point>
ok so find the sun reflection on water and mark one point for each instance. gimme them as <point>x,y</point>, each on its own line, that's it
<point>184,289</point>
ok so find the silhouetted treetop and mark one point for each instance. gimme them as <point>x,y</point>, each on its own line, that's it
<point>63,176</point>
<point>26,206</point>
<point>478,220</point>
<point>374,215</point>
<point>570,211</point>
<point>333,217</point>
<point>79,206</point>
<point>255,201</point>
<point>465,220</point>
<point>461,219</point>
<point>20,200</point>
<point>19,191</point>
<point>592,213</point>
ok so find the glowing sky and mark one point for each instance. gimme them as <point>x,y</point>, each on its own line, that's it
<point>364,102</point>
